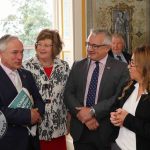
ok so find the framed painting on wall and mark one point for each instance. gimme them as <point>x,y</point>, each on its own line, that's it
<point>135,14</point>
<point>121,16</point>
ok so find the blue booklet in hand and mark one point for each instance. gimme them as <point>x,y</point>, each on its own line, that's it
<point>22,100</point>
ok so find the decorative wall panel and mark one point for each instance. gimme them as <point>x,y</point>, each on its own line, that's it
<point>131,17</point>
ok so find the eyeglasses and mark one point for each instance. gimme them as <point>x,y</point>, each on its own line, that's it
<point>132,63</point>
<point>94,46</point>
<point>39,45</point>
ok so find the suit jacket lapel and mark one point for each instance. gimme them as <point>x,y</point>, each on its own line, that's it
<point>127,94</point>
<point>22,77</point>
<point>85,73</point>
<point>6,84</point>
<point>5,79</point>
<point>105,76</point>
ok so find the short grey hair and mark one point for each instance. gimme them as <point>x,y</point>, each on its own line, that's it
<point>120,36</point>
<point>4,40</point>
<point>108,37</point>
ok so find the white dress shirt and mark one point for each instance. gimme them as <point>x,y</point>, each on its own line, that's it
<point>121,56</point>
<point>127,139</point>
<point>14,77</point>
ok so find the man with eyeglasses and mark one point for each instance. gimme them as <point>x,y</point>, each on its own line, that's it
<point>93,85</point>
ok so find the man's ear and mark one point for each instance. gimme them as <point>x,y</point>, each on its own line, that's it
<point>0,53</point>
<point>108,48</point>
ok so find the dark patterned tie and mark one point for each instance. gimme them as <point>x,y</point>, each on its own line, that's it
<point>93,87</point>
<point>119,57</point>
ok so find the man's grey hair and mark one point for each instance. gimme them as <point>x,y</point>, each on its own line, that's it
<point>108,37</point>
<point>4,40</point>
<point>120,36</point>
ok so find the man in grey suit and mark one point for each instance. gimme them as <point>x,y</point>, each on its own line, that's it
<point>90,126</point>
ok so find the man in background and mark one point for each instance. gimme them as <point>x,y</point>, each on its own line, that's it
<point>12,80</point>
<point>118,47</point>
<point>92,87</point>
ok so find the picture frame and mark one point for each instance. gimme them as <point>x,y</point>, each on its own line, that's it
<point>121,19</point>
<point>101,15</point>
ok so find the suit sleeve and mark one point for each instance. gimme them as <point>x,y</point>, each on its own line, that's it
<point>138,126</point>
<point>38,101</point>
<point>70,91</point>
<point>18,116</point>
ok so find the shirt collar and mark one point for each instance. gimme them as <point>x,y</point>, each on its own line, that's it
<point>6,69</point>
<point>102,61</point>
<point>120,54</point>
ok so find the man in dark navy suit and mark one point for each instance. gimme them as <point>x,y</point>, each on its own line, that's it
<point>17,135</point>
<point>118,48</point>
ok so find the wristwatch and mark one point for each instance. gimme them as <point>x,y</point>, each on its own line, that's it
<point>92,112</point>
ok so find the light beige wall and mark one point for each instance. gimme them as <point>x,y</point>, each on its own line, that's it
<point>79,29</point>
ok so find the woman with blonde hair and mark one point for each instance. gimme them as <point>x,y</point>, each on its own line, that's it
<point>132,109</point>
<point>50,74</point>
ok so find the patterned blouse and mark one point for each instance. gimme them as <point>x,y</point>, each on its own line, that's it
<point>54,123</point>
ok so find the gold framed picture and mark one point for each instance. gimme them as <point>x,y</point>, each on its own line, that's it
<point>121,19</point>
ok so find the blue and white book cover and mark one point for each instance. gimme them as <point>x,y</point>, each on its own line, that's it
<point>22,100</point>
